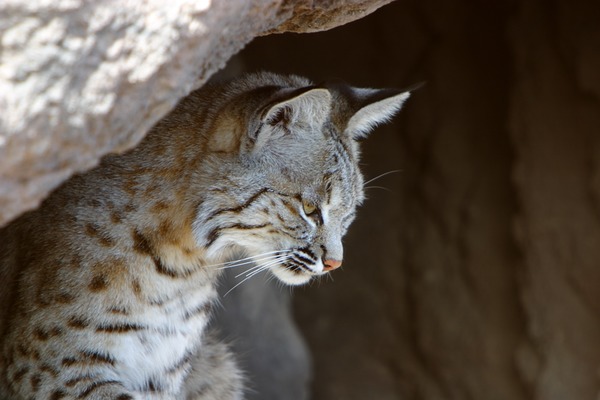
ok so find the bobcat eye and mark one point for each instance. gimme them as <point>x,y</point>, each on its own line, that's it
<point>308,207</point>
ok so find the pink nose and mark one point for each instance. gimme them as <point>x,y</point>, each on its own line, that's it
<point>330,265</point>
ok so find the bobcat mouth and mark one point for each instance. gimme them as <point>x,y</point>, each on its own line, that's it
<point>296,269</point>
<point>292,274</point>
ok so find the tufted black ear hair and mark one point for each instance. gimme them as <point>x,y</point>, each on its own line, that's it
<point>359,110</point>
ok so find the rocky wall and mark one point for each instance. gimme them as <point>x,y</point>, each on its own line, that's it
<point>474,272</point>
<point>80,79</point>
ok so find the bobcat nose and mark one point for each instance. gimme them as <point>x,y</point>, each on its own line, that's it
<point>330,265</point>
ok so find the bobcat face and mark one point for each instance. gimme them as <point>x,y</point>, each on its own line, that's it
<point>312,231</point>
<point>292,222</point>
<point>293,183</point>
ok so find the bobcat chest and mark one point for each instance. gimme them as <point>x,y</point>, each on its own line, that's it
<point>157,356</point>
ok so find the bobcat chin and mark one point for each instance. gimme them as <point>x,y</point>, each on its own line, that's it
<point>113,277</point>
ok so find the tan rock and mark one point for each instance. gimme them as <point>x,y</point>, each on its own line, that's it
<point>80,79</point>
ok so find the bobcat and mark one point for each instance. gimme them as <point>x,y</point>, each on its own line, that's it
<point>116,271</point>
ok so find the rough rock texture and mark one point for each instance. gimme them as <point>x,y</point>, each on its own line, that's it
<point>79,79</point>
<point>555,129</point>
<point>477,275</point>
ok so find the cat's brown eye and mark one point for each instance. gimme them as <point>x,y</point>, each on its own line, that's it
<point>308,207</point>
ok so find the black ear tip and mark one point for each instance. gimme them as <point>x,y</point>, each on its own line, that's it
<point>333,83</point>
<point>415,86</point>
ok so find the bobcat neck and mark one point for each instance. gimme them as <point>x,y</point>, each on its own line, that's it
<point>156,191</point>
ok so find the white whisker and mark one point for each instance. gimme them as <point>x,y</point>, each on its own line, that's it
<point>264,264</point>
<point>238,284</point>
<point>250,261</point>
<point>256,270</point>
<point>256,267</point>
<point>242,261</point>
<point>249,269</point>
<point>267,265</point>
<point>381,176</point>
<point>270,277</point>
<point>378,187</point>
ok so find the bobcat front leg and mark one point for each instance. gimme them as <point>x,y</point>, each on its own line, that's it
<point>103,390</point>
<point>95,390</point>
<point>214,374</point>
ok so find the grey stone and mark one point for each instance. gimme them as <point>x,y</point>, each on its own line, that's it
<point>80,79</point>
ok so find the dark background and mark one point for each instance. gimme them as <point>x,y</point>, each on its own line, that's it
<point>474,273</point>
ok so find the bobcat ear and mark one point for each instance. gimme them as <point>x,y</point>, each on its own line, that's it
<point>308,105</point>
<point>373,107</point>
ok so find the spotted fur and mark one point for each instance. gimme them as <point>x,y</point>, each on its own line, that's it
<point>115,273</point>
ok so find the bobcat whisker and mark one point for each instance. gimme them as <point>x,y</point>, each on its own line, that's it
<point>266,264</point>
<point>248,262</point>
<point>378,187</point>
<point>255,272</point>
<point>238,284</point>
<point>271,278</point>
<point>243,261</point>
<point>381,176</point>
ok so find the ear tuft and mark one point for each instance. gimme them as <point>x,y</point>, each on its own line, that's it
<point>379,107</point>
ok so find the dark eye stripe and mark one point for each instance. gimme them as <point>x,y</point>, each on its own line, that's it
<point>218,231</point>
<point>241,207</point>
<point>290,207</point>
<point>291,234</point>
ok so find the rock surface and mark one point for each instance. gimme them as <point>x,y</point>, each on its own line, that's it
<point>80,79</point>
<point>555,130</point>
